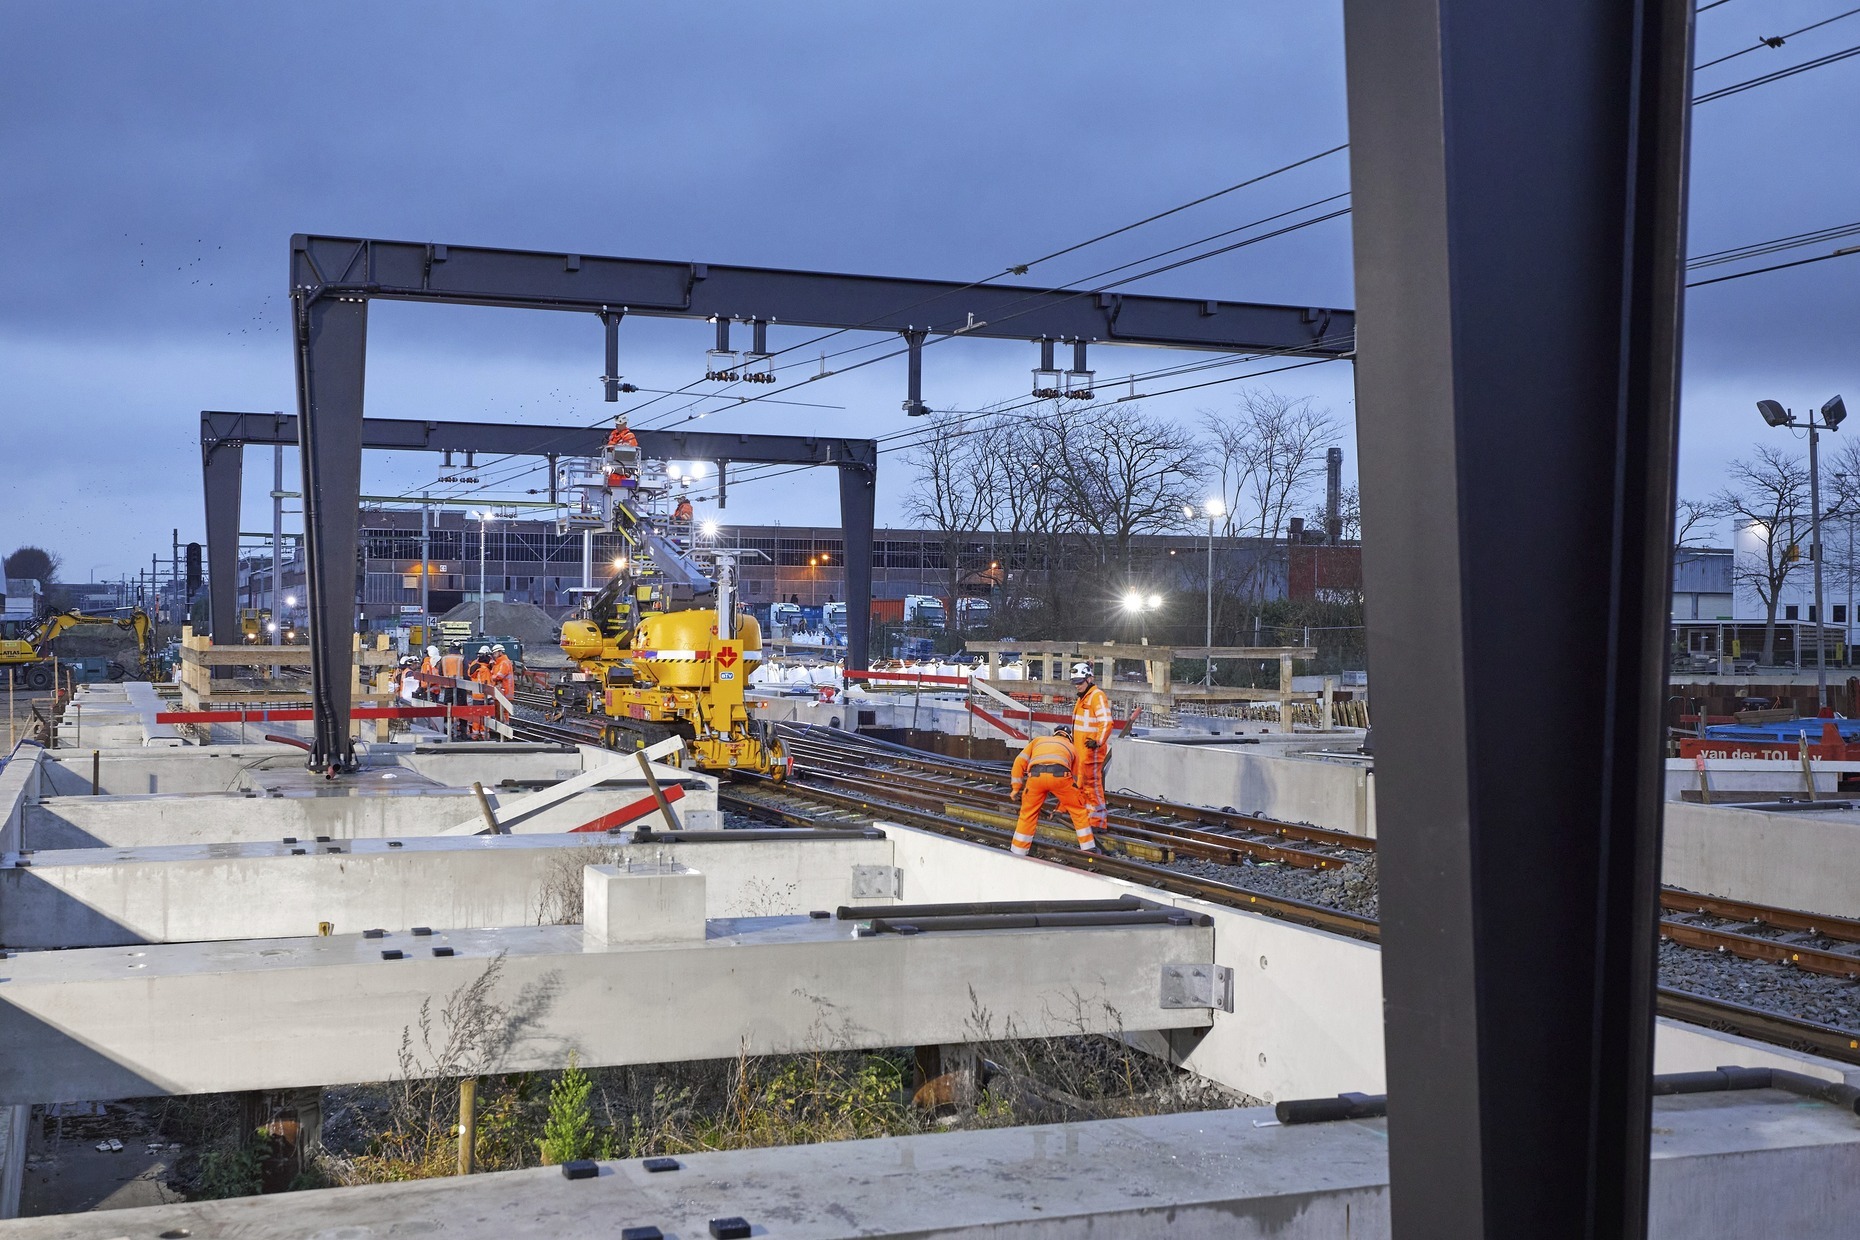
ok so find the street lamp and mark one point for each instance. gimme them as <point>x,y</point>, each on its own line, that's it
<point>1215,508</point>
<point>483,519</point>
<point>1833,413</point>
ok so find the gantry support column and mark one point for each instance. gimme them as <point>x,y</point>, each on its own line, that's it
<point>332,345</point>
<point>858,500</point>
<point>222,470</point>
<point>1519,175</point>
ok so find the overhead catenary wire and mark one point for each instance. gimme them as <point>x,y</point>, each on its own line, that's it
<point>923,433</point>
<point>1775,41</point>
<point>1757,271</point>
<point>1777,76</point>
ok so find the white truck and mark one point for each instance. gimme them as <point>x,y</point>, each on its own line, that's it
<point>924,611</point>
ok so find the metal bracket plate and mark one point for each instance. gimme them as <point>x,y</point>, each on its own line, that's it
<point>1198,986</point>
<point>877,882</point>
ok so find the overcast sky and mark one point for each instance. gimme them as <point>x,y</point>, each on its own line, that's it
<point>157,158</point>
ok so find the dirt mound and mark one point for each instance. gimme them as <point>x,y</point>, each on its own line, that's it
<point>529,624</point>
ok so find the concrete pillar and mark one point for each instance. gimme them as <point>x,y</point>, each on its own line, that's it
<point>1285,693</point>
<point>632,903</point>
<point>1327,718</point>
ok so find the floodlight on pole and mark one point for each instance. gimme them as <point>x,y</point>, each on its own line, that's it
<point>484,519</point>
<point>1215,507</point>
<point>1833,413</point>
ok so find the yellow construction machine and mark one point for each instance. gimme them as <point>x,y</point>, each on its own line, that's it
<point>28,659</point>
<point>665,648</point>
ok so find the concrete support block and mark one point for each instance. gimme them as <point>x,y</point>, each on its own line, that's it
<point>1791,860</point>
<point>652,903</point>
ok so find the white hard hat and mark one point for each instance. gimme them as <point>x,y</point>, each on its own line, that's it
<point>1081,671</point>
<point>498,647</point>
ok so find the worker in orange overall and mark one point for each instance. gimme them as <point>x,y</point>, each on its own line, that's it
<point>1091,729</point>
<point>483,676</point>
<point>452,667</point>
<point>503,673</point>
<point>1049,765</point>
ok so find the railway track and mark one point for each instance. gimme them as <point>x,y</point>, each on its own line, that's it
<point>843,778</point>
<point>1826,945</point>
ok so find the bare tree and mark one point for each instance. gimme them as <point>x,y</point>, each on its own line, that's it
<point>1022,456</point>
<point>1126,472</point>
<point>952,495</point>
<point>1694,521</point>
<point>1768,497</point>
<point>1270,455</point>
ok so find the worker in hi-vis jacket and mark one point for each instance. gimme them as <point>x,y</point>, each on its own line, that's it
<point>1049,766</point>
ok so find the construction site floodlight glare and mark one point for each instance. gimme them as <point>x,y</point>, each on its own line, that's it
<point>709,529</point>
<point>1215,507</point>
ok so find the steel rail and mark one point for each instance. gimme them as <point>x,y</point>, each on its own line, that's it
<point>1827,926</point>
<point>755,798</point>
<point>1228,850</point>
<point>1209,845</point>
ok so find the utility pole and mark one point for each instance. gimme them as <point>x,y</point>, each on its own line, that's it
<point>426,563</point>
<point>1814,537</point>
<point>277,543</point>
<point>1833,413</point>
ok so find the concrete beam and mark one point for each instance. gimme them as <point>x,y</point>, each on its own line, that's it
<point>75,822</point>
<point>1724,1166</point>
<point>110,897</point>
<point>276,1013</point>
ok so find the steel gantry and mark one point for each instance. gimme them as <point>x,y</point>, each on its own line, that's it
<point>224,436</point>
<point>334,278</point>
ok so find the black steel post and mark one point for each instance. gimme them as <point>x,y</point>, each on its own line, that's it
<point>1519,176</point>
<point>333,338</point>
<point>222,467</point>
<point>858,504</point>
